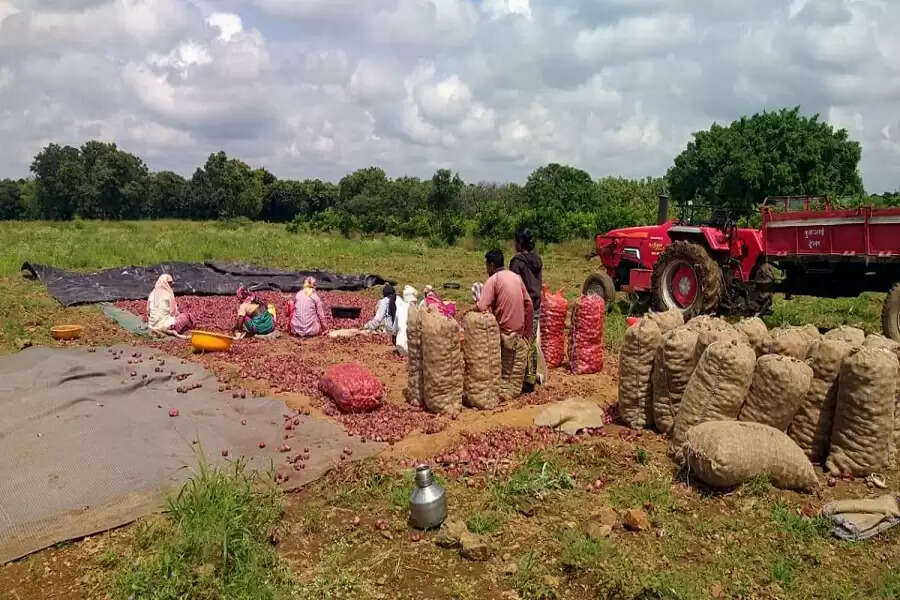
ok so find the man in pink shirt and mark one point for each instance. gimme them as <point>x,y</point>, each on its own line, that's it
<point>505,296</point>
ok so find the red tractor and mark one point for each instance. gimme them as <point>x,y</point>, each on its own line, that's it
<point>718,267</point>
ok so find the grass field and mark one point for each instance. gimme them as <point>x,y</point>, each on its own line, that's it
<point>346,537</point>
<point>26,311</point>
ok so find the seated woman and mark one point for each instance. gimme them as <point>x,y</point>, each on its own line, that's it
<point>446,308</point>
<point>162,311</point>
<point>253,318</point>
<point>386,312</point>
<point>308,315</point>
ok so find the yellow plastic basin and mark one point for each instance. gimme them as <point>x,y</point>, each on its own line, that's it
<point>207,341</point>
<point>66,332</point>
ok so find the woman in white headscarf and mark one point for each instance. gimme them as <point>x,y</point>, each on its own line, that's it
<point>162,309</point>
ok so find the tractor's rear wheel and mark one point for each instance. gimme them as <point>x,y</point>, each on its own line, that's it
<point>686,278</point>
<point>600,284</point>
<point>890,314</point>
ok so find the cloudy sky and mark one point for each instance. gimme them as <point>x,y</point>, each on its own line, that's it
<point>491,88</point>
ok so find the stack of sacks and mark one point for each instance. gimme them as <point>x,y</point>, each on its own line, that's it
<point>811,426</point>
<point>862,436</point>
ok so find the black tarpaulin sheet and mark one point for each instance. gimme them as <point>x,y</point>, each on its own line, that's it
<point>200,279</point>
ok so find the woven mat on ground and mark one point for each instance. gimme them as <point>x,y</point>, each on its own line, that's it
<point>85,446</point>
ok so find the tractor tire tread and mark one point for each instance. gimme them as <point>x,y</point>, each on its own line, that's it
<point>605,282</point>
<point>709,276</point>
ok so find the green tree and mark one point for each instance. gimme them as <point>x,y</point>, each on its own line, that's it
<point>115,183</point>
<point>768,154</point>
<point>553,191</point>
<point>167,196</point>
<point>59,180</point>
<point>10,200</point>
<point>225,188</point>
<point>444,202</point>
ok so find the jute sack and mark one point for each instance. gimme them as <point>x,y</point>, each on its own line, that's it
<point>717,388</point>
<point>513,361</point>
<point>864,414</point>
<point>635,371</point>
<point>481,351</point>
<point>879,341</point>
<point>756,331</point>
<point>673,366</point>
<point>666,320</point>
<point>442,363</point>
<point>851,335</point>
<point>414,374</point>
<point>810,332</point>
<point>713,329</point>
<point>790,341</point>
<point>729,453</point>
<point>811,426</point>
<point>779,386</point>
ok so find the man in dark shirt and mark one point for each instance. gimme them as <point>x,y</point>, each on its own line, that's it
<point>527,264</point>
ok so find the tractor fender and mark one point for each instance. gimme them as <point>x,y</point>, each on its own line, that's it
<point>710,237</point>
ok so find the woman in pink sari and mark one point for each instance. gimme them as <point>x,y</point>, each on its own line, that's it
<point>308,315</point>
<point>162,310</point>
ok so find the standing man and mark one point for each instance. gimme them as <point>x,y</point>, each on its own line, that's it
<point>527,264</point>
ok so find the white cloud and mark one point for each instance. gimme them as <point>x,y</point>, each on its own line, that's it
<point>498,9</point>
<point>228,24</point>
<point>445,100</point>
<point>492,88</point>
<point>635,37</point>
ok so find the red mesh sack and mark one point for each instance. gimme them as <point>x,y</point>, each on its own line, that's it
<point>352,388</point>
<point>586,342</point>
<point>554,308</point>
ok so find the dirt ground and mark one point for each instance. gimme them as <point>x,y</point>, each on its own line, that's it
<point>347,537</point>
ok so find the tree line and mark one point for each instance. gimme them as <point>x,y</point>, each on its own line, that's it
<point>772,153</point>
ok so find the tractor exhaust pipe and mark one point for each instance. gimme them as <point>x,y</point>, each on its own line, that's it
<point>663,213</point>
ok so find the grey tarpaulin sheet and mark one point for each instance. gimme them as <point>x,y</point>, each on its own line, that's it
<point>85,447</point>
<point>202,279</point>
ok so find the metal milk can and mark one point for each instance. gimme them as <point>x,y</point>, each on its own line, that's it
<point>428,504</point>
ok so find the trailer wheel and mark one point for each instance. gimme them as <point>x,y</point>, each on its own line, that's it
<point>890,314</point>
<point>686,278</point>
<point>600,284</point>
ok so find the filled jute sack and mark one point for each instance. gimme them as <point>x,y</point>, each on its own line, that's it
<point>717,388</point>
<point>713,329</point>
<point>414,374</point>
<point>728,453</point>
<point>673,366</point>
<point>864,414</point>
<point>756,331</point>
<point>481,353</point>
<point>666,320</point>
<point>852,335</point>
<point>636,357</point>
<point>513,361</point>
<point>779,386</point>
<point>789,341</point>
<point>811,425</point>
<point>442,363</point>
<point>879,341</point>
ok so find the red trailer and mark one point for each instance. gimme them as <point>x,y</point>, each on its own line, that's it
<point>835,252</point>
